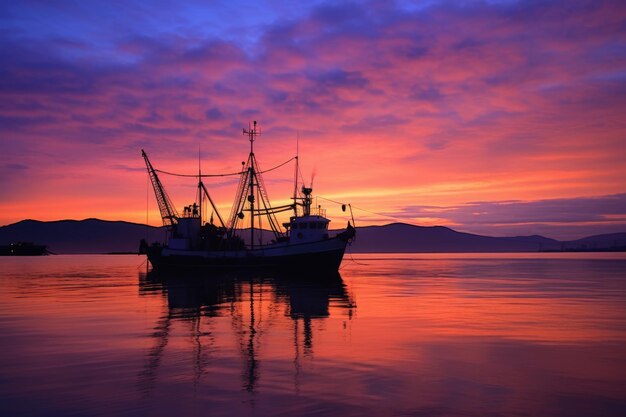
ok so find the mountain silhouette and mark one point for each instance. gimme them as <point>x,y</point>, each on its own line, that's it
<point>103,236</point>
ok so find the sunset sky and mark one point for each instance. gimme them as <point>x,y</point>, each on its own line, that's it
<point>491,117</point>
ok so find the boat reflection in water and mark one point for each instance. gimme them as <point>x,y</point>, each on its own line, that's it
<point>255,309</point>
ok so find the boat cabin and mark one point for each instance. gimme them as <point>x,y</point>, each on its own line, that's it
<point>307,228</point>
<point>186,231</point>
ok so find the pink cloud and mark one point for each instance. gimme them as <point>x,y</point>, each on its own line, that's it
<point>517,95</point>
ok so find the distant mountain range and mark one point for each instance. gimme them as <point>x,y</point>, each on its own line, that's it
<point>101,236</point>
<point>81,236</point>
<point>402,238</point>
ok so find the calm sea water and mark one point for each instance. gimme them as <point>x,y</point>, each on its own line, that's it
<point>392,335</point>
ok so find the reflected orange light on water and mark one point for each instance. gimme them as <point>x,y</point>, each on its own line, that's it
<point>505,333</point>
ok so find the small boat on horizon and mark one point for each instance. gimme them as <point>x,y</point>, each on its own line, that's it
<point>306,242</point>
<point>23,249</point>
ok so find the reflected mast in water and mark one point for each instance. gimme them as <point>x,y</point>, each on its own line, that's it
<point>250,359</point>
<point>148,377</point>
<point>244,300</point>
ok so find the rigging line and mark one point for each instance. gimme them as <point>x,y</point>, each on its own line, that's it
<point>362,209</point>
<point>277,166</point>
<point>147,202</point>
<point>221,175</point>
<point>400,219</point>
<point>332,201</point>
<point>196,175</point>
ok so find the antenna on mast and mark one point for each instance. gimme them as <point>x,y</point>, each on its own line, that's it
<point>251,132</point>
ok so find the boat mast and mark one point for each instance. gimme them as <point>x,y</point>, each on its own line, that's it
<point>202,193</point>
<point>251,176</point>
<point>251,190</point>
<point>295,177</point>
<point>200,186</point>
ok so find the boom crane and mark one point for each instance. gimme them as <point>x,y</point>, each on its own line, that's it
<point>168,212</point>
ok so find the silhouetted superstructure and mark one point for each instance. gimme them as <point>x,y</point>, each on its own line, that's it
<point>191,242</point>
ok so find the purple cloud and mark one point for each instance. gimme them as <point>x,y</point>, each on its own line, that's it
<point>531,91</point>
<point>561,217</point>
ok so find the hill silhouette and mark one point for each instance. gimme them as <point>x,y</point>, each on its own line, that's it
<point>103,236</point>
<point>81,236</point>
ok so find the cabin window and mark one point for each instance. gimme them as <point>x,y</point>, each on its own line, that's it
<point>294,226</point>
<point>303,225</point>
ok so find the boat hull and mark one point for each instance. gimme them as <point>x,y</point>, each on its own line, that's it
<point>315,256</point>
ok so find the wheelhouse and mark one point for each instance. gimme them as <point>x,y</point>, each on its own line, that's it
<point>307,228</point>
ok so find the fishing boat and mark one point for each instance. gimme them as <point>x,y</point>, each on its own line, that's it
<point>305,241</point>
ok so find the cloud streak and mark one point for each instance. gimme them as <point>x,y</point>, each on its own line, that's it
<point>564,218</point>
